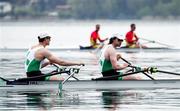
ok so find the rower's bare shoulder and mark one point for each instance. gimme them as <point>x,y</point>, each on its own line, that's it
<point>44,51</point>
<point>34,46</point>
<point>111,49</point>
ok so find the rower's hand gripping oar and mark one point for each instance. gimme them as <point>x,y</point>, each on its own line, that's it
<point>137,68</point>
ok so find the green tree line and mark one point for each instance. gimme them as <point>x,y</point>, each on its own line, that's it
<point>123,9</point>
<point>97,9</point>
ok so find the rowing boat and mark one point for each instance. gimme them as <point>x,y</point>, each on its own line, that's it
<point>163,46</point>
<point>151,48</point>
<point>125,49</point>
<point>30,84</point>
<point>89,84</point>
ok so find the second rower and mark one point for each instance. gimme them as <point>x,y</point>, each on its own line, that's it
<point>109,61</point>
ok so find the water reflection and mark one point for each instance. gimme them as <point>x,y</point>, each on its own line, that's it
<point>30,100</point>
<point>37,100</point>
<point>111,100</point>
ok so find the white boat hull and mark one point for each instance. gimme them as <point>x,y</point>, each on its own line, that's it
<point>126,84</point>
<point>32,86</point>
<point>88,84</point>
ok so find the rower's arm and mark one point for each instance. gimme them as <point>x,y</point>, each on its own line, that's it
<point>113,58</point>
<point>45,64</point>
<point>56,60</point>
<point>102,40</point>
<point>136,37</point>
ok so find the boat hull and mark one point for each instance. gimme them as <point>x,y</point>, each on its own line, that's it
<point>31,86</point>
<point>125,84</point>
<point>89,84</point>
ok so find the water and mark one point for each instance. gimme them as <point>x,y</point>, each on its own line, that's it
<point>93,100</point>
<point>75,33</point>
<point>125,100</point>
<point>22,35</point>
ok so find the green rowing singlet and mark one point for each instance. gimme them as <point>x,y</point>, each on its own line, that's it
<point>31,64</point>
<point>105,64</point>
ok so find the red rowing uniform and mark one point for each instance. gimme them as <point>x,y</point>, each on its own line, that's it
<point>94,38</point>
<point>131,37</point>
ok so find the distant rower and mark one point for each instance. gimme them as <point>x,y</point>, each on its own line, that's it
<point>132,39</point>
<point>95,36</point>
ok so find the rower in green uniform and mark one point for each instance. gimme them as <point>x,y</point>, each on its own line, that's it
<point>38,57</point>
<point>109,60</point>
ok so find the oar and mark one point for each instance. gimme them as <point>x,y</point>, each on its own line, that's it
<point>148,76</point>
<point>152,41</point>
<point>4,79</point>
<point>167,72</point>
<point>126,61</point>
<point>130,65</point>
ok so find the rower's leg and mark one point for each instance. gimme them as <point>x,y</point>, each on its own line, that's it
<point>132,77</point>
<point>56,77</point>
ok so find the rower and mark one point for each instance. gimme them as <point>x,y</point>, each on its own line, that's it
<point>132,39</point>
<point>95,36</point>
<point>36,56</point>
<point>109,60</point>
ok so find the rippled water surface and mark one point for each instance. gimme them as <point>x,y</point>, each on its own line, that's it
<point>12,66</point>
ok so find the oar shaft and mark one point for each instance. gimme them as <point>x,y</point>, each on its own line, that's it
<point>167,72</point>
<point>4,79</point>
<point>125,61</point>
<point>152,41</point>
<point>148,76</point>
<point>130,65</point>
<point>71,75</point>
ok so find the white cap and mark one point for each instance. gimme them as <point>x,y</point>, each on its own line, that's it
<point>43,35</point>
